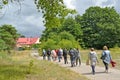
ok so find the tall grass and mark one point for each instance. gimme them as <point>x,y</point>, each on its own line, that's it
<point>4,58</point>
<point>40,70</point>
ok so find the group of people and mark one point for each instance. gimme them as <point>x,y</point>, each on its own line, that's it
<point>75,57</point>
<point>58,54</point>
<point>106,58</point>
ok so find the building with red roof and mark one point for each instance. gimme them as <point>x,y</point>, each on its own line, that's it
<point>27,42</point>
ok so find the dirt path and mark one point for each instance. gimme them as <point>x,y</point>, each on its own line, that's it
<point>85,70</point>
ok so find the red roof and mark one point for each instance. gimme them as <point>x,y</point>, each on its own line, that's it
<point>27,41</point>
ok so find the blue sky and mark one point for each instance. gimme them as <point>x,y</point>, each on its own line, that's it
<point>29,22</point>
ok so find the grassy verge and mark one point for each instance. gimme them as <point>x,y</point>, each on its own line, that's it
<point>18,67</point>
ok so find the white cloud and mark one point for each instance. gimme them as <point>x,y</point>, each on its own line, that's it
<point>26,20</point>
<point>70,3</point>
<point>98,2</point>
<point>29,20</point>
<point>37,21</point>
<point>104,3</point>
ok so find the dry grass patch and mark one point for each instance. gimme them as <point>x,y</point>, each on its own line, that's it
<point>18,69</point>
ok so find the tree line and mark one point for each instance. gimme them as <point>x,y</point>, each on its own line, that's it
<point>95,28</point>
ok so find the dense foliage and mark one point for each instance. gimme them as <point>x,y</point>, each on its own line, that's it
<point>95,28</point>
<point>56,40</point>
<point>100,26</point>
<point>8,36</point>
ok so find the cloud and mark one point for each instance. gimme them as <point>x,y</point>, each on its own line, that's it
<point>70,4</point>
<point>25,18</point>
<point>82,5</point>
<point>104,3</point>
<point>117,6</point>
<point>34,20</point>
<point>28,21</point>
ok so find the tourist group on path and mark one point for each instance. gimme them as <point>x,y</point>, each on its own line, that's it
<point>60,54</point>
<point>75,57</point>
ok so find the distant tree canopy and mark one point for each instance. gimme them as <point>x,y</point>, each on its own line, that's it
<point>65,36</point>
<point>8,36</point>
<point>95,28</point>
<point>60,40</point>
<point>100,26</point>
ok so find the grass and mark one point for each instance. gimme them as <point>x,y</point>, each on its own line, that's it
<point>16,68</point>
<point>12,72</point>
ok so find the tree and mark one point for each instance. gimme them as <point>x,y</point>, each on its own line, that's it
<point>73,27</point>
<point>62,40</point>
<point>50,43</point>
<point>2,45</point>
<point>100,26</point>
<point>66,35</point>
<point>53,11</point>
<point>8,36</point>
<point>70,25</point>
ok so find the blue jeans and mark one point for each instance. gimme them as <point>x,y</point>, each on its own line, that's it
<point>49,58</point>
<point>59,58</point>
<point>93,69</point>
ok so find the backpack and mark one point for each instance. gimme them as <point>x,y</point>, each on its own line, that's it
<point>103,56</point>
<point>60,52</point>
<point>71,52</point>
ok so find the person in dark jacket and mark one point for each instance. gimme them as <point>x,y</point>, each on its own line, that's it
<point>49,54</point>
<point>65,52</point>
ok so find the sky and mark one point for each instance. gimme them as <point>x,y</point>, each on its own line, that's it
<point>28,21</point>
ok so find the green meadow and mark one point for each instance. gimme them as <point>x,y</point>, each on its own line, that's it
<point>20,66</point>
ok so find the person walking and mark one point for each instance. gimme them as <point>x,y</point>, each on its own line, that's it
<point>60,53</point>
<point>92,56</point>
<point>49,54</point>
<point>72,57</point>
<point>54,55</point>
<point>106,58</point>
<point>65,52</point>
<point>44,54</point>
<point>78,57</point>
